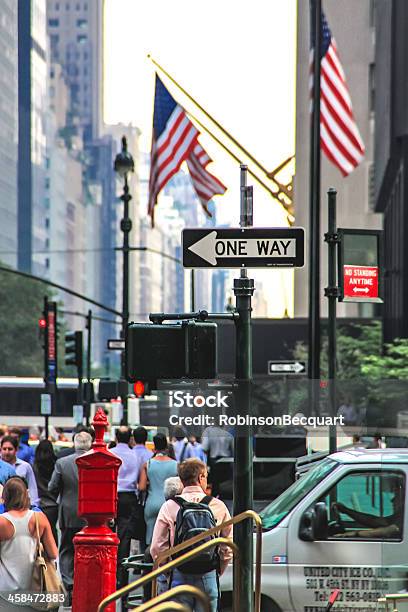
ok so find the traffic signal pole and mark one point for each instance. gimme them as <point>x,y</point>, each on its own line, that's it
<point>243,461</point>
<point>88,367</point>
<point>332,293</point>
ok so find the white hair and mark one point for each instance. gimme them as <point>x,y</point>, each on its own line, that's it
<point>82,441</point>
<point>172,487</point>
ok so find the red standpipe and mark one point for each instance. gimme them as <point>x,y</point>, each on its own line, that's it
<point>96,546</point>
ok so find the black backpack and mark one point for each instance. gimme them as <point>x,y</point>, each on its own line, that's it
<point>192,519</point>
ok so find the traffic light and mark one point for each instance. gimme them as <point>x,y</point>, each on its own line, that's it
<point>170,351</point>
<point>73,349</point>
<point>42,326</point>
<point>139,388</point>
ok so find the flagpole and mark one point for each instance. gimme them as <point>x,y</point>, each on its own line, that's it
<point>314,212</point>
<point>274,194</point>
<point>281,187</point>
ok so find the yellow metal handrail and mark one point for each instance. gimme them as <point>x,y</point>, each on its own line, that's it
<point>168,566</point>
<point>178,590</point>
<point>170,605</point>
<point>248,514</point>
<point>392,597</point>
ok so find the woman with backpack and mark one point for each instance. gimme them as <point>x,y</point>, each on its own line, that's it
<point>184,516</point>
<point>152,476</point>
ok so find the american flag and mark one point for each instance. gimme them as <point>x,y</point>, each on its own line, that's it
<point>174,140</point>
<point>339,135</point>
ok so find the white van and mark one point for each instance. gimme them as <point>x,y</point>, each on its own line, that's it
<point>343,525</point>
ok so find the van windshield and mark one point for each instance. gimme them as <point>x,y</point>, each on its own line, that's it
<point>276,511</point>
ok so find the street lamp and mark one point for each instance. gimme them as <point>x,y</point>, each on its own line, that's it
<point>123,165</point>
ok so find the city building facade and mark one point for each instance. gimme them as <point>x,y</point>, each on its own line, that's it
<point>355,38</point>
<point>391,158</point>
<point>8,131</point>
<point>32,112</point>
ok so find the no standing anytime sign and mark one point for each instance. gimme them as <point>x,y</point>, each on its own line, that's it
<point>360,282</point>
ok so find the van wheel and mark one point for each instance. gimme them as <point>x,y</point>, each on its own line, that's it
<point>267,605</point>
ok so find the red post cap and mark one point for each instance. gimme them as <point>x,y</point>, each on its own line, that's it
<point>100,424</point>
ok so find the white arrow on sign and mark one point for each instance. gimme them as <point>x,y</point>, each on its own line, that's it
<point>210,247</point>
<point>287,367</point>
<point>360,290</point>
<point>116,345</point>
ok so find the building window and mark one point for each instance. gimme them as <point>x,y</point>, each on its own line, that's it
<point>47,262</point>
<point>53,23</point>
<point>82,23</point>
<point>47,222</point>
<point>85,6</point>
<point>67,7</point>
<point>81,39</point>
<point>371,84</point>
<point>372,13</point>
<point>57,6</point>
<point>78,7</point>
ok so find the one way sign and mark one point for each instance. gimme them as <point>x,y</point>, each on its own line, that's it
<point>243,247</point>
<point>286,367</point>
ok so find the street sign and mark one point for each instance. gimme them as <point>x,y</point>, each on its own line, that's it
<point>78,414</point>
<point>45,408</point>
<point>359,264</point>
<point>360,282</point>
<point>286,367</point>
<point>243,247</point>
<point>116,345</point>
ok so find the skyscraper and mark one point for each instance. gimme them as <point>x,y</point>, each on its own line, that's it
<point>8,131</point>
<point>76,39</point>
<point>32,110</point>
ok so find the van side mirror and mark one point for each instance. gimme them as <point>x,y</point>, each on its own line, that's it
<point>314,523</point>
<point>321,521</point>
<point>306,526</point>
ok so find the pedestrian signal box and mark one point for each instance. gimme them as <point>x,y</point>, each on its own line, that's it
<point>178,350</point>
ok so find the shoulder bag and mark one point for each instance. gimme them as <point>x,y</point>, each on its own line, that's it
<point>45,578</point>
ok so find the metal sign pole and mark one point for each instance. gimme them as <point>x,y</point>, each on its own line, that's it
<point>332,293</point>
<point>243,464</point>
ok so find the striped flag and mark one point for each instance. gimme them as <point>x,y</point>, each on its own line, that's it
<point>174,140</point>
<point>339,135</point>
<point>206,185</point>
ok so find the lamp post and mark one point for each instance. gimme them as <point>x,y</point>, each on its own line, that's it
<point>123,165</point>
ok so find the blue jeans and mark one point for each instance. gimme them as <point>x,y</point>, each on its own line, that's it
<point>206,582</point>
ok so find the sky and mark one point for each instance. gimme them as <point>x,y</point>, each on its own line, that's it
<point>237,59</point>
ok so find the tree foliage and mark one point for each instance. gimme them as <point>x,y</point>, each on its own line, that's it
<point>21,306</point>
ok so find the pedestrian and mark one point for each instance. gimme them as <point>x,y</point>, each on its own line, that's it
<point>198,450</point>
<point>6,471</point>
<point>70,450</point>
<point>218,444</point>
<point>43,467</point>
<point>64,482</point>
<point>18,540</point>
<point>152,476</point>
<point>182,447</point>
<point>24,451</point>
<point>9,446</point>
<point>140,438</point>
<point>128,477</point>
<point>173,525</point>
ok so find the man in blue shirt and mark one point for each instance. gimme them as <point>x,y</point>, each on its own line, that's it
<point>6,471</point>
<point>24,452</point>
<point>128,477</point>
<point>140,438</point>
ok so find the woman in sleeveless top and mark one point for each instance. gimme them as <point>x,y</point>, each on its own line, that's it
<point>18,539</point>
<point>152,476</point>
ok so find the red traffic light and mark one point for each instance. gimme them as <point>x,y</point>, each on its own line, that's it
<point>139,388</point>
<point>42,323</point>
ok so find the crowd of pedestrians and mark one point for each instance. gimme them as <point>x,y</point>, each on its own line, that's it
<point>153,486</point>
